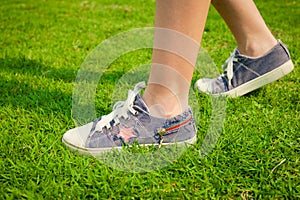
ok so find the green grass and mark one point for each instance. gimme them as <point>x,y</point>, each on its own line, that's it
<point>43,44</point>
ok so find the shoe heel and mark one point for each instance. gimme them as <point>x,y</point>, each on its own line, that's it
<point>287,67</point>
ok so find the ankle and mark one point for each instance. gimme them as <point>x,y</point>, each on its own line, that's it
<point>257,48</point>
<point>163,104</point>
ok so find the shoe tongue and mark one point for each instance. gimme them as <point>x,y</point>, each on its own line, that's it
<point>141,104</point>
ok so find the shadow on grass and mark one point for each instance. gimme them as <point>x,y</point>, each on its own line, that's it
<point>32,85</point>
<point>22,65</point>
<point>23,85</point>
<point>254,93</point>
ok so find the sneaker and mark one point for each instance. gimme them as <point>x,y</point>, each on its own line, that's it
<point>129,122</point>
<point>243,74</point>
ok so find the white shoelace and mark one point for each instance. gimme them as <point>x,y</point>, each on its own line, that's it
<point>120,108</point>
<point>228,67</point>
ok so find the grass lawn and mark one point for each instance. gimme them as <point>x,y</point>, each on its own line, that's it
<point>43,44</point>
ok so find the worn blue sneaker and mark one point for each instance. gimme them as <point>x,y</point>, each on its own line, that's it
<point>129,122</point>
<point>243,74</point>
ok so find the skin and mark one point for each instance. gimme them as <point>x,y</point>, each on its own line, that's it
<point>188,18</point>
<point>166,99</point>
<point>252,35</point>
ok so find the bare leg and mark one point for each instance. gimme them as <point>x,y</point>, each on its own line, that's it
<point>247,25</point>
<point>171,74</point>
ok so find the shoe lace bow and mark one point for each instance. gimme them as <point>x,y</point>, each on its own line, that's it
<point>121,108</point>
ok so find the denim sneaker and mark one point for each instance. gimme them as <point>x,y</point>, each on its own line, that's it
<point>243,74</point>
<point>130,121</point>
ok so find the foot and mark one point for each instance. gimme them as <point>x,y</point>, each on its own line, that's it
<point>243,74</point>
<point>130,121</point>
